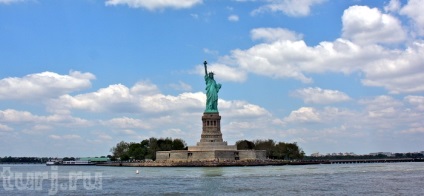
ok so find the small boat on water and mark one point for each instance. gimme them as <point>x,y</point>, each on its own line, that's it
<point>53,162</point>
<point>78,162</point>
<point>75,162</point>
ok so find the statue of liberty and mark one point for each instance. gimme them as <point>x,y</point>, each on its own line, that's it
<point>212,89</point>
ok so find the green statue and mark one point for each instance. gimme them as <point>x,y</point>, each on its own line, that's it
<point>212,89</point>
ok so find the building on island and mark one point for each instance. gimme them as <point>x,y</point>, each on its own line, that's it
<point>211,146</point>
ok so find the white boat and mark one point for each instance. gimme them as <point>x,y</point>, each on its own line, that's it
<point>53,162</point>
<point>75,162</point>
<point>78,162</point>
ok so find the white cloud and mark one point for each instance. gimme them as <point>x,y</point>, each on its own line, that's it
<point>65,137</point>
<point>11,1</point>
<point>291,59</point>
<point>38,129</point>
<point>115,97</point>
<point>303,115</point>
<point>233,18</point>
<point>417,101</point>
<point>210,51</point>
<point>413,130</point>
<point>284,55</point>
<point>104,136</point>
<point>327,116</point>
<point>414,10</point>
<point>320,96</point>
<point>398,71</point>
<point>393,6</point>
<point>155,4</point>
<point>381,118</point>
<point>387,114</point>
<point>142,97</point>
<point>175,133</point>
<point>242,109</point>
<point>144,88</point>
<point>128,132</point>
<point>223,72</point>
<point>5,128</point>
<point>43,85</point>
<point>184,101</point>
<point>24,117</point>
<point>382,107</point>
<point>364,25</point>
<point>126,123</point>
<point>295,8</point>
<point>181,86</point>
<point>274,34</point>
<point>14,116</point>
<point>280,59</point>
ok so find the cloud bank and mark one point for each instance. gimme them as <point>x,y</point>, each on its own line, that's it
<point>155,4</point>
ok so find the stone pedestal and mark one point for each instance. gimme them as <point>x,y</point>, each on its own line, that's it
<point>211,146</point>
<point>211,137</point>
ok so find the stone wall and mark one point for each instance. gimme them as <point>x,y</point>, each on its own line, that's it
<point>247,154</point>
<point>260,154</point>
<point>179,155</point>
<point>202,155</point>
<point>163,155</point>
<point>206,163</point>
<point>211,146</point>
<point>222,155</point>
<point>252,154</point>
<point>211,155</point>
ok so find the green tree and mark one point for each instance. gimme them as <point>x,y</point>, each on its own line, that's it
<point>293,151</point>
<point>112,158</point>
<point>268,145</point>
<point>120,149</point>
<point>164,144</point>
<point>178,144</point>
<point>124,157</point>
<point>137,151</point>
<point>152,148</point>
<point>245,145</point>
<point>280,150</point>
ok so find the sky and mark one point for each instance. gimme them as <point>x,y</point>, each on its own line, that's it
<point>77,77</point>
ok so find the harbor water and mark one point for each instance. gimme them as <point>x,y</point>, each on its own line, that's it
<point>335,179</point>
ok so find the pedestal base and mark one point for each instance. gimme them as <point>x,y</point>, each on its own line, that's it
<point>211,146</point>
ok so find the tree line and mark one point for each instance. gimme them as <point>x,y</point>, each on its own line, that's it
<point>147,148</point>
<point>10,159</point>
<point>274,150</point>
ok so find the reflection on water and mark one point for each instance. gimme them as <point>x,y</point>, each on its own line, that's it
<point>212,171</point>
<point>211,180</point>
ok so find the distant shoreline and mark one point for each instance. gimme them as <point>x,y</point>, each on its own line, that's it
<point>195,163</point>
<point>236,163</point>
<point>250,163</point>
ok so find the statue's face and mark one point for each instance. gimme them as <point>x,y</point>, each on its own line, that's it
<point>211,75</point>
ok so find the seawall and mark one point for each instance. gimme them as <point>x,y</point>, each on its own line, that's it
<point>250,163</point>
<point>206,163</point>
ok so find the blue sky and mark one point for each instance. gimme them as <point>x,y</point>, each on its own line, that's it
<point>334,76</point>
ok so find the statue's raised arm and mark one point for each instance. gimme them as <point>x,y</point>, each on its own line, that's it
<point>206,68</point>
